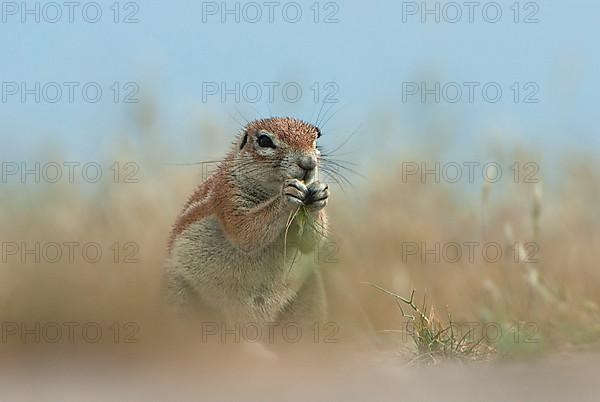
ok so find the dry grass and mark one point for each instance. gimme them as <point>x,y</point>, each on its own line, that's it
<point>557,295</point>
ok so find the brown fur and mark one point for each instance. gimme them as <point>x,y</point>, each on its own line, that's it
<point>296,133</point>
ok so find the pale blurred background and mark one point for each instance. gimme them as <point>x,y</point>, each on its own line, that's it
<point>368,55</point>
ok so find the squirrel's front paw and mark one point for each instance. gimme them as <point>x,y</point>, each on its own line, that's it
<point>318,194</point>
<point>295,192</point>
<point>314,197</point>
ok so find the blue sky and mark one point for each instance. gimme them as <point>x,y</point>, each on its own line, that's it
<point>369,53</point>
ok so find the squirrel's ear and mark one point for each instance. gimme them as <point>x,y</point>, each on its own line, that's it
<point>244,140</point>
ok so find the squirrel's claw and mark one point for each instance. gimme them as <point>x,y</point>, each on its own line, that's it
<point>318,195</point>
<point>295,192</point>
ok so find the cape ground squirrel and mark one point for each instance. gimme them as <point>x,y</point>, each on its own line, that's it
<point>230,248</point>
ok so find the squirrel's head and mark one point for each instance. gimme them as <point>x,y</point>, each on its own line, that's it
<point>271,150</point>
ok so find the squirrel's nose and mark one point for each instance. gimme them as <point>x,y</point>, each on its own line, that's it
<point>307,162</point>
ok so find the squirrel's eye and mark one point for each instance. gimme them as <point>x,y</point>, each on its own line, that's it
<point>265,141</point>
